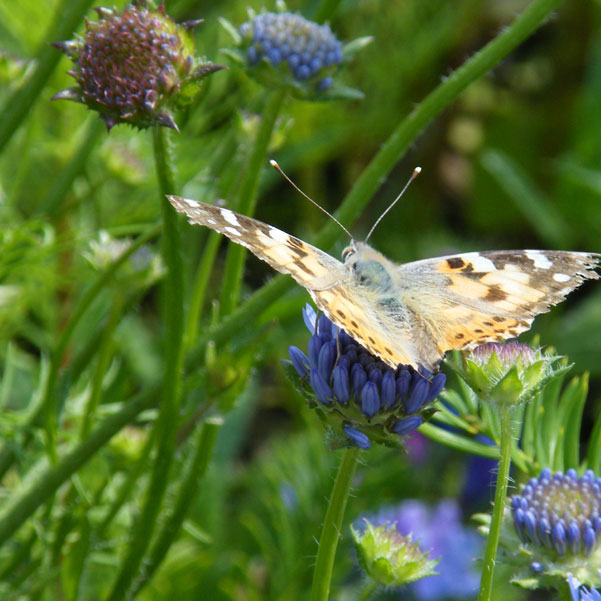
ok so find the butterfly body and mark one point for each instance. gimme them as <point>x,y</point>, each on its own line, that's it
<point>414,312</point>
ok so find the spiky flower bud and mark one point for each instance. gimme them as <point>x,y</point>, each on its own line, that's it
<point>552,530</point>
<point>390,558</point>
<point>286,50</point>
<point>508,373</point>
<point>439,531</point>
<point>361,395</point>
<point>134,67</point>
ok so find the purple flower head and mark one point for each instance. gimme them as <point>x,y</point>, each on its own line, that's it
<point>438,530</point>
<point>134,66</point>
<point>368,398</point>
<point>559,513</point>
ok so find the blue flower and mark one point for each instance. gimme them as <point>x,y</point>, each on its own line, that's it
<point>560,512</point>
<point>439,531</point>
<point>369,399</point>
<point>309,51</point>
<point>580,592</point>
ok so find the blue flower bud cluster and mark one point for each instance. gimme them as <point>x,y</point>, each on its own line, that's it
<point>308,49</point>
<point>560,512</point>
<point>346,376</point>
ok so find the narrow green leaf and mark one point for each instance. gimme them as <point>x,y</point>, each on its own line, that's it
<point>593,456</point>
<point>572,418</point>
<point>458,442</point>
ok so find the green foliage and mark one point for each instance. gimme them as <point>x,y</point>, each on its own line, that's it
<point>149,442</point>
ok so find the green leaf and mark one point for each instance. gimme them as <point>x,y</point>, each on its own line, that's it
<point>231,30</point>
<point>351,48</point>
<point>593,456</point>
<point>572,406</point>
<point>458,442</point>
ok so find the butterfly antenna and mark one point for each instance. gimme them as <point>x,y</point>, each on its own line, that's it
<point>279,169</point>
<point>415,173</point>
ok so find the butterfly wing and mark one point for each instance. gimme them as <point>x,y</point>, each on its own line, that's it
<point>467,299</point>
<point>308,265</point>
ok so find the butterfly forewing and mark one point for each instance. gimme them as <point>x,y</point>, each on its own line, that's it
<point>308,265</point>
<point>494,295</point>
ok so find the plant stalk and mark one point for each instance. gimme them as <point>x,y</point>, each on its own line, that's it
<point>330,533</point>
<point>499,505</point>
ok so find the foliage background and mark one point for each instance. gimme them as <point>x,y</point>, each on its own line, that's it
<point>514,163</point>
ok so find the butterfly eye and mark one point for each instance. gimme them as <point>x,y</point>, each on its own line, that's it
<point>347,252</point>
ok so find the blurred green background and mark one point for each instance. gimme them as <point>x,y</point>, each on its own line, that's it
<point>514,163</point>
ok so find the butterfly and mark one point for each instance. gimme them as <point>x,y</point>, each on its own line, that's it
<point>414,312</point>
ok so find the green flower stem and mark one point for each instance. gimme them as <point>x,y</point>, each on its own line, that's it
<point>368,590</point>
<point>247,200</point>
<point>330,534</point>
<point>167,420</point>
<point>36,491</point>
<point>388,155</point>
<point>499,505</point>
<point>197,466</point>
<point>200,286</point>
<point>67,17</point>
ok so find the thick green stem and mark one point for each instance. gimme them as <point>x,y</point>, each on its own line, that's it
<point>368,590</point>
<point>389,155</point>
<point>203,450</point>
<point>247,200</point>
<point>499,505</point>
<point>330,534</point>
<point>67,17</point>
<point>166,424</point>
<point>23,503</point>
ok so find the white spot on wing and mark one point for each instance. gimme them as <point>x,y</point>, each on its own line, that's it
<point>229,216</point>
<point>231,230</point>
<point>279,235</point>
<point>190,203</point>
<point>561,277</point>
<point>539,259</point>
<point>211,221</point>
<point>479,262</point>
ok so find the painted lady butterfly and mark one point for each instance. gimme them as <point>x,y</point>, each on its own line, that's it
<point>415,312</point>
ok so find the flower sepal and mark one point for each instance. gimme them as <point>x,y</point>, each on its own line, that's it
<point>509,373</point>
<point>388,557</point>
